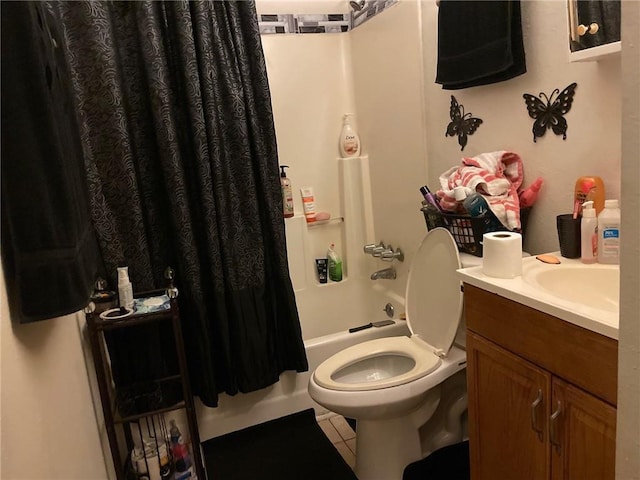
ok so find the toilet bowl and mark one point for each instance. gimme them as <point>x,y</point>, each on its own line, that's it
<point>392,386</point>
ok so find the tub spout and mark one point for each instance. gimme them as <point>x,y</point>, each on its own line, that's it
<point>387,274</point>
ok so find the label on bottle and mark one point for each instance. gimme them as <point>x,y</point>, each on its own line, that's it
<point>287,201</point>
<point>309,209</point>
<point>350,145</point>
<point>610,242</point>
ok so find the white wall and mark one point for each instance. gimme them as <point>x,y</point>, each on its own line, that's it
<point>49,428</point>
<point>592,146</point>
<point>387,71</point>
<point>628,430</point>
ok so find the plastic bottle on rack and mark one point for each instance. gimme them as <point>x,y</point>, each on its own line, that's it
<point>179,451</point>
<point>125,289</point>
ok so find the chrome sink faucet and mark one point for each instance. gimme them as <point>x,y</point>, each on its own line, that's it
<point>386,274</point>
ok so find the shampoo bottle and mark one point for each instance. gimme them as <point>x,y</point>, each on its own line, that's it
<point>609,233</point>
<point>349,139</point>
<point>287,194</point>
<point>125,290</point>
<point>588,234</point>
<point>335,264</point>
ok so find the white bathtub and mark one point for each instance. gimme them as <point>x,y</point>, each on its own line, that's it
<point>287,396</point>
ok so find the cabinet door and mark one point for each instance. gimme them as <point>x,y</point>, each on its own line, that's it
<point>582,435</point>
<point>508,413</point>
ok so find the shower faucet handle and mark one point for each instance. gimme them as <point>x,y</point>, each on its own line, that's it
<point>368,249</point>
<point>375,250</point>
<point>390,255</point>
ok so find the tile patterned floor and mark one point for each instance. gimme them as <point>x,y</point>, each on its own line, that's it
<point>340,433</point>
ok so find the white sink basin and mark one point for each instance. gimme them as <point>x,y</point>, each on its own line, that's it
<point>585,295</point>
<point>595,286</point>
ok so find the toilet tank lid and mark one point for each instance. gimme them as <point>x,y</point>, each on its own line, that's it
<point>434,294</point>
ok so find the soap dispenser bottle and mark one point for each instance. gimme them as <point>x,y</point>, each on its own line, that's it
<point>588,234</point>
<point>287,194</point>
<point>349,139</point>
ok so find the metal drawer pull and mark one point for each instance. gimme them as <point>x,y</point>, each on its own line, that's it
<point>553,428</point>
<point>534,416</point>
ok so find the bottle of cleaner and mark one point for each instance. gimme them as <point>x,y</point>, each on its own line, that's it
<point>349,139</point>
<point>609,233</point>
<point>335,264</point>
<point>287,194</point>
<point>125,289</point>
<point>588,234</point>
<point>529,195</point>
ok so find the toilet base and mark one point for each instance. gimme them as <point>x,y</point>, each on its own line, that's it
<point>385,447</point>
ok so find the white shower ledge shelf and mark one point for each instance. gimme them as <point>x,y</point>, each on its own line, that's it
<point>320,223</point>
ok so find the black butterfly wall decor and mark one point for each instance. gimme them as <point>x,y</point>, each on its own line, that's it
<point>462,124</point>
<point>550,116</point>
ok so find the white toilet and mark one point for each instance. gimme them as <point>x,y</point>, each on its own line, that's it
<point>392,386</point>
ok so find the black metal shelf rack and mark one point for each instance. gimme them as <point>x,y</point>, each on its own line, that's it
<point>128,422</point>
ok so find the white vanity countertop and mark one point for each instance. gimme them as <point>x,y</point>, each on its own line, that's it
<point>519,290</point>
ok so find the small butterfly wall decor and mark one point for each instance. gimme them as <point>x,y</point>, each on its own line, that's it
<point>550,116</point>
<point>462,124</point>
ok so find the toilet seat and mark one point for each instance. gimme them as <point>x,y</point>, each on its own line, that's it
<point>433,316</point>
<point>425,362</point>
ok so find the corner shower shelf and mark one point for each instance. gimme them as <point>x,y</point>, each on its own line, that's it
<point>127,421</point>
<point>321,223</point>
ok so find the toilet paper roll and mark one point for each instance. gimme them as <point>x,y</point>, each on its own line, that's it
<point>502,254</point>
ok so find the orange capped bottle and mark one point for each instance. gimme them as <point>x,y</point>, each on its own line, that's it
<point>588,189</point>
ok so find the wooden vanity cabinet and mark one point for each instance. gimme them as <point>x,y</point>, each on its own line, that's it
<point>542,394</point>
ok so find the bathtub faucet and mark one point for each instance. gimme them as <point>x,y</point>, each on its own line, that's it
<point>387,274</point>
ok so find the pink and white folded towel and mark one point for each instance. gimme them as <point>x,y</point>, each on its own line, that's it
<point>497,176</point>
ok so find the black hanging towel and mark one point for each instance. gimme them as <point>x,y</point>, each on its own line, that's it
<point>49,253</point>
<point>479,42</point>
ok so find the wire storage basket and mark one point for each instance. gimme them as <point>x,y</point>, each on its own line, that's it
<point>467,231</point>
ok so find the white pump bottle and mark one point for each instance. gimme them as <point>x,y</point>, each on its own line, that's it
<point>125,289</point>
<point>588,234</point>
<point>349,139</point>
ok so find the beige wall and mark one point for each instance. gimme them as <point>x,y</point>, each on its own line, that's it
<point>49,428</point>
<point>592,146</point>
<point>628,434</point>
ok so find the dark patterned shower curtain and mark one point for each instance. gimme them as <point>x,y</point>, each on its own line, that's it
<point>178,135</point>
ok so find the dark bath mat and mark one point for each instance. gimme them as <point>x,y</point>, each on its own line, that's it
<point>288,448</point>
<point>450,463</point>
